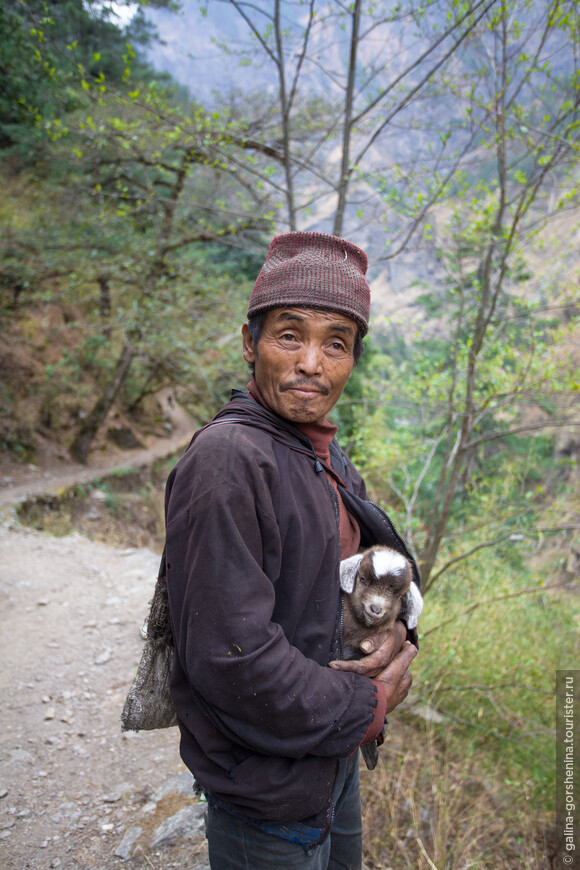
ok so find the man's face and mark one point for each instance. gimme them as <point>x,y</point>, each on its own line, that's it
<point>302,361</point>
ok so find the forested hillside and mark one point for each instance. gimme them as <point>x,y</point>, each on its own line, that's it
<point>442,135</point>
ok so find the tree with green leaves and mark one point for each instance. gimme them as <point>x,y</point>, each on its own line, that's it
<point>140,180</point>
<point>167,172</point>
<point>494,351</point>
<point>43,43</point>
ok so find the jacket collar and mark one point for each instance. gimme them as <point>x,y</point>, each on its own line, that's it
<point>242,408</point>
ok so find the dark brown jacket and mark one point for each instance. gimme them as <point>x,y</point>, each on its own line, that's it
<point>253,573</point>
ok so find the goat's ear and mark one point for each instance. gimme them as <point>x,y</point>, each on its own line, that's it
<point>414,605</point>
<point>348,569</point>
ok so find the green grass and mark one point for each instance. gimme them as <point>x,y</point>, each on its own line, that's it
<point>492,672</point>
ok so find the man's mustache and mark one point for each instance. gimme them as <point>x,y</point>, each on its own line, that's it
<point>301,385</point>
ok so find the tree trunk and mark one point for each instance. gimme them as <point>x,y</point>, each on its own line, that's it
<point>345,168</point>
<point>435,536</point>
<point>80,448</point>
<point>285,114</point>
<point>105,305</point>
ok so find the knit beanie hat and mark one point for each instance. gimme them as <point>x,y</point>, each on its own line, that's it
<point>314,270</point>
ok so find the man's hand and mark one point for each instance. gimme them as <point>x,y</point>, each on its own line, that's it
<point>379,652</point>
<point>388,661</point>
<point>396,677</point>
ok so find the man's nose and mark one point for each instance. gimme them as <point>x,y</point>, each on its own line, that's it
<point>310,360</point>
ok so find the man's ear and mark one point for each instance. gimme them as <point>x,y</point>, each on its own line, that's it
<point>248,352</point>
<point>348,569</point>
<point>414,605</point>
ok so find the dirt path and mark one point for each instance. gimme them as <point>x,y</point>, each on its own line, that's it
<point>75,792</point>
<point>73,789</point>
<point>21,482</point>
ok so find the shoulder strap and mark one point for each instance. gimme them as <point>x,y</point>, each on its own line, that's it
<point>162,565</point>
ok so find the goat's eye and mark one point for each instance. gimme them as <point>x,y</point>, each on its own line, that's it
<point>362,579</point>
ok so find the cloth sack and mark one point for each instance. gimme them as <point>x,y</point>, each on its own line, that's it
<point>148,704</point>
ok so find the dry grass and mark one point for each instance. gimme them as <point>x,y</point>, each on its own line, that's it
<point>424,809</point>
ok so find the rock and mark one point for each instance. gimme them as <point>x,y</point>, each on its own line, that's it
<point>181,783</point>
<point>124,438</point>
<point>21,755</point>
<point>127,844</point>
<point>103,658</point>
<point>187,823</point>
<point>116,794</point>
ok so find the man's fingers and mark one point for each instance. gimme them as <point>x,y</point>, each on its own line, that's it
<point>385,647</point>
<point>376,665</point>
<point>397,693</point>
<point>355,667</point>
<point>396,678</point>
<point>400,663</point>
<point>395,637</point>
<point>372,644</point>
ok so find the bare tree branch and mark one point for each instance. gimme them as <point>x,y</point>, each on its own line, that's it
<point>530,590</point>
<point>480,688</point>
<point>547,424</point>
<point>209,236</point>
<point>514,535</point>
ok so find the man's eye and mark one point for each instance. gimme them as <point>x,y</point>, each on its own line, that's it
<point>287,336</point>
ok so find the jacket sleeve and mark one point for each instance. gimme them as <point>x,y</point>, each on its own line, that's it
<point>250,681</point>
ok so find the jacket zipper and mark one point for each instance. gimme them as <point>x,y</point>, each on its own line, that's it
<point>341,626</point>
<point>335,500</point>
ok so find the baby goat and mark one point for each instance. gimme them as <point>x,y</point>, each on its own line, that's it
<point>378,585</point>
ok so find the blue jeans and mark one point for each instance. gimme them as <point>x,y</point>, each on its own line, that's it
<point>235,845</point>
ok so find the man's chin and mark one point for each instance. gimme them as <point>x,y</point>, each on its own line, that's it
<point>301,415</point>
<point>300,410</point>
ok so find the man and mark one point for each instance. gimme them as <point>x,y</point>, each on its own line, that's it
<point>259,512</point>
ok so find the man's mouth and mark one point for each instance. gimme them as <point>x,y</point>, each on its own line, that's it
<point>304,389</point>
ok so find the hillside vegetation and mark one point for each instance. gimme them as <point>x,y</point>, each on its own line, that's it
<point>134,220</point>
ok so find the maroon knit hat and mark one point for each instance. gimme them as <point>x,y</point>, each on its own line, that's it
<point>314,270</point>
